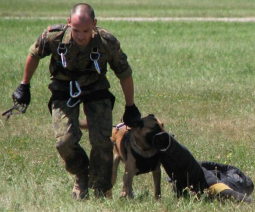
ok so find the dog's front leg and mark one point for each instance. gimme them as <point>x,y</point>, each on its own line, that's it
<point>127,190</point>
<point>130,171</point>
<point>157,181</point>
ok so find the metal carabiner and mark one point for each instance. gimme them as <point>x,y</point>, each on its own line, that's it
<point>62,52</point>
<point>61,48</point>
<point>95,60</point>
<point>63,60</point>
<point>69,101</point>
<point>78,92</point>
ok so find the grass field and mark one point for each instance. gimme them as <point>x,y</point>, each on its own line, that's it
<point>134,8</point>
<point>197,77</point>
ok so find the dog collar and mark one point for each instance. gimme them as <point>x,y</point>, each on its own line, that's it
<point>120,125</point>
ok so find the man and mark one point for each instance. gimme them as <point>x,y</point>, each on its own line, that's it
<point>79,53</point>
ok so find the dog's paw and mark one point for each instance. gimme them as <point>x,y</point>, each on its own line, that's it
<point>125,194</point>
<point>158,197</point>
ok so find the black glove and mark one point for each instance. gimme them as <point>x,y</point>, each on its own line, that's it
<point>22,94</point>
<point>131,114</point>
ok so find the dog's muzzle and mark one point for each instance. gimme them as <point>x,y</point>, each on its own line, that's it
<point>169,141</point>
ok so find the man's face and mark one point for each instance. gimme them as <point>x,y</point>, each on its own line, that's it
<point>81,29</point>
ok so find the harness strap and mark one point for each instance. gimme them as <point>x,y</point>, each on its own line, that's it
<point>94,96</point>
<point>145,164</point>
<point>74,74</point>
<point>63,47</point>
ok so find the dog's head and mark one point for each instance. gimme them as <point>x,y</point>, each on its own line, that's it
<point>145,129</point>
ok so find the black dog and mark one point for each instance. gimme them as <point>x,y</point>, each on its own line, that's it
<point>185,172</point>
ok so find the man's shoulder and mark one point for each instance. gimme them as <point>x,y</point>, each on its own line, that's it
<point>56,28</point>
<point>106,35</point>
<point>57,31</point>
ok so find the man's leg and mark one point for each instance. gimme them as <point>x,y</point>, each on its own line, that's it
<point>68,134</point>
<point>99,118</point>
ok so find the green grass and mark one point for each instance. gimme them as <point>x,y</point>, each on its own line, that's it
<point>197,77</point>
<point>135,8</point>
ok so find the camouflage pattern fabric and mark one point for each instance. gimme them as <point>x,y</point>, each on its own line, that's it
<point>68,134</point>
<point>99,118</point>
<point>78,59</point>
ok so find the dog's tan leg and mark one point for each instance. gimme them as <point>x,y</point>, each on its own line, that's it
<point>116,162</point>
<point>157,181</point>
<point>127,190</point>
<point>130,171</point>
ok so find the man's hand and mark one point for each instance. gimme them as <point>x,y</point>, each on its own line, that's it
<point>22,94</point>
<point>131,114</point>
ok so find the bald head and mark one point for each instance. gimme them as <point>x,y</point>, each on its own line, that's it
<point>84,11</point>
<point>82,23</point>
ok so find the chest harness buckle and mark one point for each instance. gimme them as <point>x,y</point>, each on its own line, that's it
<point>75,92</point>
<point>62,50</point>
<point>94,56</point>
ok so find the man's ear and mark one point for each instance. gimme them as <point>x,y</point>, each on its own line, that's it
<point>94,23</point>
<point>69,21</point>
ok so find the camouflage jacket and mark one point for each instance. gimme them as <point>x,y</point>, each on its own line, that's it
<point>79,66</point>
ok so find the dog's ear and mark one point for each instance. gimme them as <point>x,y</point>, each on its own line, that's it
<point>151,115</point>
<point>138,123</point>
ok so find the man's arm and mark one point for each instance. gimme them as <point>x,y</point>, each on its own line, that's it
<point>30,67</point>
<point>131,113</point>
<point>127,86</point>
<point>22,94</point>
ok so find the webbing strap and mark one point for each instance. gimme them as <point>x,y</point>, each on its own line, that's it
<point>94,96</point>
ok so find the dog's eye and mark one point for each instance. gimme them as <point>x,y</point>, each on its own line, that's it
<point>156,127</point>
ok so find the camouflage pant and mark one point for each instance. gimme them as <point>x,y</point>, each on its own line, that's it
<point>68,134</point>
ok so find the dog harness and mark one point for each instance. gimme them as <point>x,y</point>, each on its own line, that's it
<point>145,164</point>
<point>146,161</point>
